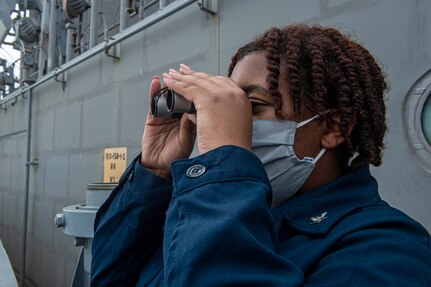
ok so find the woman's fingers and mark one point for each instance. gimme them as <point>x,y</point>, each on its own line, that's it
<point>192,118</point>
<point>154,87</point>
<point>200,80</point>
<point>185,70</point>
<point>192,85</point>
<point>219,80</point>
<point>187,133</point>
<point>187,90</point>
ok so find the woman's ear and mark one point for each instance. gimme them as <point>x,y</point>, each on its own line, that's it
<point>332,137</point>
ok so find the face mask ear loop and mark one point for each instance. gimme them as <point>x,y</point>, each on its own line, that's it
<point>303,123</point>
<point>321,153</point>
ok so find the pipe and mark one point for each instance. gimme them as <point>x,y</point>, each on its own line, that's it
<point>44,25</point>
<point>162,4</point>
<point>52,51</point>
<point>69,41</point>
<point>27,189</point>
<point>44,28</point>
<point>141,10</point>
<point>124,15</point>
<point>80,40</point>
<point>138,27</point>
<point>95,7</point>
<point>145,5</point>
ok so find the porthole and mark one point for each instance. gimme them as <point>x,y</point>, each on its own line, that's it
<point>417,120</point>
<point>426,119</point>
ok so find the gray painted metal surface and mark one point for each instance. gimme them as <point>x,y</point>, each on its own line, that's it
<point>7,277</point>
<point>104,104</point>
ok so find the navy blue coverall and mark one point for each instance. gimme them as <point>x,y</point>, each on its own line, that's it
<point>215,227</point>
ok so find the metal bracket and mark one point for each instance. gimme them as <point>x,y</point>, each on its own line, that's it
<point>114,52</point>
<point>112,55</point>
<point>208,6</point>
<point>79,241</point>
<point>34,162</point>
<point>57,72</point>
<point>14,102</point>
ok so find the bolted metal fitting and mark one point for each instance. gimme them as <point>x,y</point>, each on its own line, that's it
<point>59,220</point>
<point>208,6</point>
<point>79,241</point>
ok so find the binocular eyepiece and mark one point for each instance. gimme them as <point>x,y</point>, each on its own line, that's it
<point>168,104</point>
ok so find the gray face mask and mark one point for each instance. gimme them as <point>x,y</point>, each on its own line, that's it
<point>272,142</point>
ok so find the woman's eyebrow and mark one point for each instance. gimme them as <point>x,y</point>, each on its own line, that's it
<point>248,89</point>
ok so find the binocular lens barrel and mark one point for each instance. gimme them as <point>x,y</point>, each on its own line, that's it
<point>159,107</point>
<point>168,104</point>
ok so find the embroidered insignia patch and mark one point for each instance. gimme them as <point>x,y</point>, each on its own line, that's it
<point>318,218</point>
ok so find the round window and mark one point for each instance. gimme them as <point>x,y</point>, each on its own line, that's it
<point>417,119</point>
<point>426,119</point>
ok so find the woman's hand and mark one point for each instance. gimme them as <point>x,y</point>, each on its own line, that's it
<point>165,140</point>
<point>223,111</point>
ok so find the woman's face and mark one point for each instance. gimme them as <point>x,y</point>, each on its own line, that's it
<point>250,74</point>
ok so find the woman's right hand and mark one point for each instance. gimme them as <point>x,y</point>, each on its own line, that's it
<point>165,140</point>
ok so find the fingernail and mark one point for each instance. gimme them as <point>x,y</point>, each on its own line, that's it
<point>172,71</point>
<point>184,66</point>
<point>167,76</point>
<point>156,77</point>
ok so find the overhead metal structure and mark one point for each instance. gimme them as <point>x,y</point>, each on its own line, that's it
<point>73,8</point>
<point>6,8</point>
<point>28,5</point>
<point>27,29</point>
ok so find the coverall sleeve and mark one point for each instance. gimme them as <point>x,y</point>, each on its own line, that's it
<point>219,228</point>
<point>128,227</point>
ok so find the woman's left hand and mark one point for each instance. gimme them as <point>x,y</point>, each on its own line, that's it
<point>223,111</point>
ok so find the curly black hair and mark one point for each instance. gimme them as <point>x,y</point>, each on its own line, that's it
<point>332,72</point>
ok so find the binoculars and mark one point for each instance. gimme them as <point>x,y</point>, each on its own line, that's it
<point>168,104</point>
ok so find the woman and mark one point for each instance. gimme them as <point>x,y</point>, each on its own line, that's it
<point>280,194</point>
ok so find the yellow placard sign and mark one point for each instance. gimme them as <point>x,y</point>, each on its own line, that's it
<point>114,163</point>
